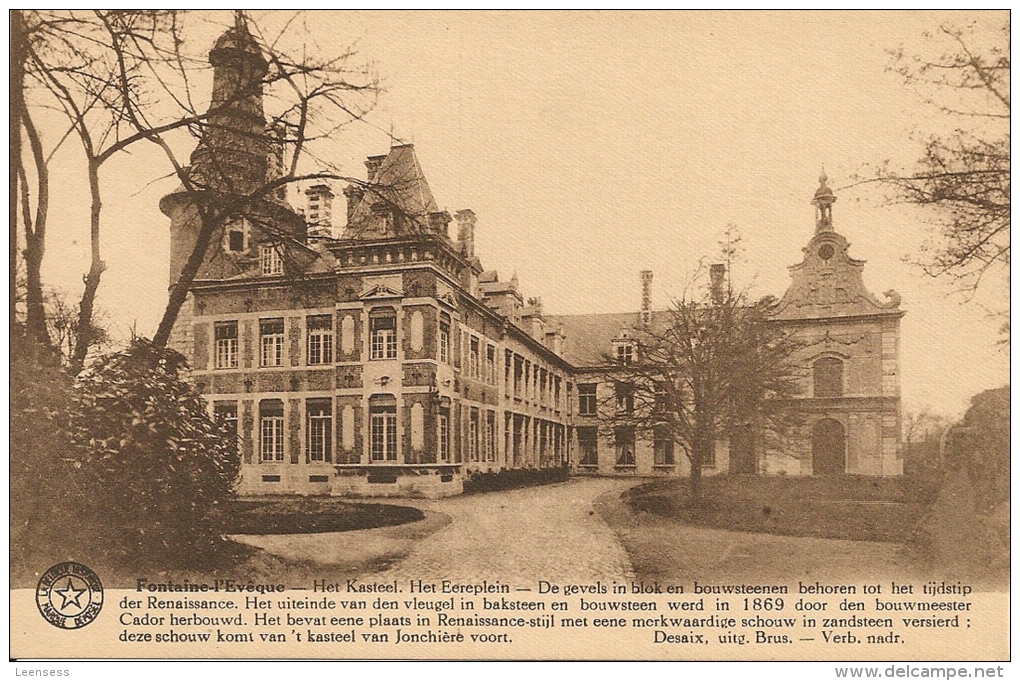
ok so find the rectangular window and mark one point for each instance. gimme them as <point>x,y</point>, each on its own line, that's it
<point>225,413</point>
<point>384,433</point>
<point>320,339</point>
<point>664,446</point>
<point>270,260</point>
<point>444,342</point>
<point>444,435</point>
<point>473,359</point>
<point>624,353</point>
<point>625,446</point>
<point>490,364</point>
<point>271,430</point>
<point>235,241</point>
<point>226,345</point>
<point>320,429</point>
<point>588,443</point>
<point>271,335</point>
<point>383,330</point>
<point>490,436</point>
<point>473,435</point>
<point>587,400</point>
<point>625,397</point>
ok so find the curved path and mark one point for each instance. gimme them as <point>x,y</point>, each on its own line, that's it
<point>549,532</point>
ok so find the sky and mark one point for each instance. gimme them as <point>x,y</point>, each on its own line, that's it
<point>592,146</point>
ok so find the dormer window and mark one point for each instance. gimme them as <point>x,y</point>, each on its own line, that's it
<point>624,351</point>
<point>270,260</point>
<point>236,237</point>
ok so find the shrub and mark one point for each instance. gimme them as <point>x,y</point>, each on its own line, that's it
<point>981,447</point>
<point>45,516</point>
<point>509,478</point>
<point>152,460</point>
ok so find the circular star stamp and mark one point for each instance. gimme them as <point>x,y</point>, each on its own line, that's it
<point>69,595</point>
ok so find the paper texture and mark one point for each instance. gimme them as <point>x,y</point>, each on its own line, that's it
<point>384,344</point>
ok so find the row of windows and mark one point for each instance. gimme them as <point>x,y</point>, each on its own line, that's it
<point>383,441</point>
<point>587,398</point>
<point>623,442</point>
<point>318,427</point>
<point>319,342</point>
<point>827,376</point>
<point>533,382</point>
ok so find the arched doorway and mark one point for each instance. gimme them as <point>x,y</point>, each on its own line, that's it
<point>828,448</point>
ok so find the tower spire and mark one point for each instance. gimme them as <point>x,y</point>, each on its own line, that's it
<point>232,154</point>
<point>824,198</point>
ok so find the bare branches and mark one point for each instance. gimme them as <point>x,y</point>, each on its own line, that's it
<point>962,177</point>
<point>710,363</point>
<point>126,76</point>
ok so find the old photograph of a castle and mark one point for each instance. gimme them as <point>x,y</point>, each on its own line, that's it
<point>480,332</point>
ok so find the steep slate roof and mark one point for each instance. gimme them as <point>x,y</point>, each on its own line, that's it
<point>589,337</point>
<point>399,182</point>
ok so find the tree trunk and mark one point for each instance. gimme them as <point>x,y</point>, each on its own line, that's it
<point>35,235</point>
<point>17,75</point>
<point>88,296</point>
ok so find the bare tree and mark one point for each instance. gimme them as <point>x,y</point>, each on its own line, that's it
<point>962,176</point>
<point>124,77</point>
<point>713,361</point>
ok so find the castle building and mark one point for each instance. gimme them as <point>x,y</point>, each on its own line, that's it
<point>382,359</point>
<point>848,410</point>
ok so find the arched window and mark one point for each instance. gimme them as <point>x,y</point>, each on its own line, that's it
<point>828,377</point>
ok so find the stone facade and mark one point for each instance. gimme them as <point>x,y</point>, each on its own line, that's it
<point>848,415</point>
<point>383,359</point>
<point>850,361</point>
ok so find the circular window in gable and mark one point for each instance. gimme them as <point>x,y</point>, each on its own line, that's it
<point>826,252</point>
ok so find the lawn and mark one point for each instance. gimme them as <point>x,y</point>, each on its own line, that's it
<point>305,515</point>
<point>352,539</point>
<point>838,507</point>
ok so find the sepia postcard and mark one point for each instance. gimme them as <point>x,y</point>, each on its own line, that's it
<point>658,336</point>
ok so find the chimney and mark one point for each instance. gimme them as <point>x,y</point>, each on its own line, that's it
<point>717,273</point>
<point>646,297</point>
<point>440,223</point>
<point>320,209</point>
<point>372,164</point>
<point>466,231</point>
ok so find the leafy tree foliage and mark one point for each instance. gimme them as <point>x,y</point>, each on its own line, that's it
<point>154,463</point>
<point>980,446</point>
<point>45,489</point>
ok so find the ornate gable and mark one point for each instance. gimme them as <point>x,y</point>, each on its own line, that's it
<point>828,282</point>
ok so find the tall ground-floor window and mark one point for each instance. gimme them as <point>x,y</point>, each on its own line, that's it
<point>271,430</point>
<point>444,434</point>
<point>473,435</point>
<point>383,433</point>
<point>664,446</point>
<point>320,429</point>
<point>490,436</point>
<point>225,414</point>
<point>588,443</point>
<point>625,446</point>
